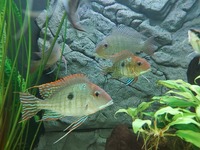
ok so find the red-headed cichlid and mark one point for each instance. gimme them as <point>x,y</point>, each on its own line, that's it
<point>126,64</point>
<point>124,38</point>
<point>73,96</point>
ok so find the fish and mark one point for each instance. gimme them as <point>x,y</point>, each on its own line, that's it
<point>72,96</point>
<point>194,39</point>
<point>71,7</point>
<point>122,38</point>
<point>126,64</point>
<point>51,59</point>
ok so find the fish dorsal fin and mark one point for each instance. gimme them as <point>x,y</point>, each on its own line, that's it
<point>121,55</point>
<point>125,31</point>
<point>48,89</point>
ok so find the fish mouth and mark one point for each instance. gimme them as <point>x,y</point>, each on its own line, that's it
<point>106,105</point>
<point>145,71</point>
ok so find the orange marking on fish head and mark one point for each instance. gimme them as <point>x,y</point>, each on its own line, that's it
<point>99,93</point>
<point>100,98</point>
<point>141,65</point>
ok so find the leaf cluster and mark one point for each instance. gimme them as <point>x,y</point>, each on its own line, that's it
<point>173,118</point>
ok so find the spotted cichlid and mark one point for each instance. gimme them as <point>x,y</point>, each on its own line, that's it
<point>73,96</point>
<point>126,64</point>
<point>124,38</point>
<point>194,39</point>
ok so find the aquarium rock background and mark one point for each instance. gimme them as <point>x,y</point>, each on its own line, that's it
<point>167,20</point>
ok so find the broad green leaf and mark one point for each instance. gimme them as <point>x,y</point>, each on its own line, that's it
<point>150,114</point>
<point>143,106</point>
<point>189,136</point>
<point>186,95</point>
<point>174,101</point>
<point>175,84</point>
<point>198,112</point>
<point>138,123</point>
<point>184,115</point>
<point>167,110</point>
<point>191,127</point>
<point>195,88</point>
<point>130,111</point>
<point>121,111</point>
<point>184,120</point>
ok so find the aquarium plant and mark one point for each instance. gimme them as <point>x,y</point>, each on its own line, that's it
<point>176,120</point>
<point>14,134</point>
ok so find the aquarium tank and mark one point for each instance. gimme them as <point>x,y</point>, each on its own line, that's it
<point>99,74</point>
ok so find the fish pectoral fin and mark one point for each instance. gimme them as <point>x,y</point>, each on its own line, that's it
<point>72,127</point>
<point>51,115</point>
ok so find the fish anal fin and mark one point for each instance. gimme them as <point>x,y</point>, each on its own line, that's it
<point>49,89</point>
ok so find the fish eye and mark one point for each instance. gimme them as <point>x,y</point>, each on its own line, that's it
<point>105,45</point>
<point>96,93</point>
<point>139,63</point>
<point>122,64</point>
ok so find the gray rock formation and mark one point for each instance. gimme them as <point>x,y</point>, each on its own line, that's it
<point>168,22</point>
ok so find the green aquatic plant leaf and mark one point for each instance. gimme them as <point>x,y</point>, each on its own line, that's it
<point>184,120</point>
<point>143,106</point>
<point>184,115</point>
<point>191,127</point>
<point>135,112</point>
<point>198,112</point>
<point>167,110</point>
<point>137,125</point>
<point>187,95</point>
<point>173,101</point>
<point>189,136</point>
<point>130,111</point>
<point>175,84</point>
<point>195,88</point>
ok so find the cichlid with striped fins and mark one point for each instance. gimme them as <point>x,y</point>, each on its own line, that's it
<point>73,96</point>
<point>126,64</point>
<point>124,38</point>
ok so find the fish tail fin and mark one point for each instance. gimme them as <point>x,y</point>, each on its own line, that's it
<point>149,46</point>
<point>29,105</point>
